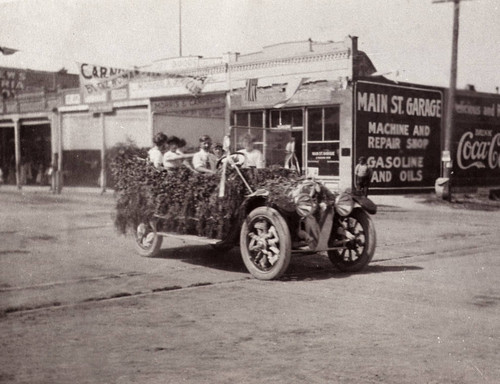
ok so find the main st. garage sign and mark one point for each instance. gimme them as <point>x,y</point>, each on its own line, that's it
<point>397,129</point>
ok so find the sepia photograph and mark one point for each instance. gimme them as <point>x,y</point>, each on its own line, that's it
<point>249,191</point>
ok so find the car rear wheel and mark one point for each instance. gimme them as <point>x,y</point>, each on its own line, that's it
<point>265,243</point>
<point>147,240</point>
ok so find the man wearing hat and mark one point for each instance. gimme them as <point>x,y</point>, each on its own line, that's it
<point>204,161</point>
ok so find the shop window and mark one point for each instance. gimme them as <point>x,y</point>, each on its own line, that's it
<point>331,128</point>
<point>323,124</point>
<point>249,119</point>
<point>287,117</point>
<point>275,118</point>
<point>241,119</point>
<point>323,141</point>
<point>253,120</point>
<point>315,125</point>
<point>256,119</point>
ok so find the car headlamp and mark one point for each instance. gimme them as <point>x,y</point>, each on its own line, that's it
<point>344,204</point>
<point>304,205</point>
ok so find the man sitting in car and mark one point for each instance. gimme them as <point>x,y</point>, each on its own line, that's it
<point>205,161</point>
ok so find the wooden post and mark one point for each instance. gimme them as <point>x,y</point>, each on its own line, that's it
<point>58,158</point>
<point>103,154</point>
<point>17,144</point>
<point>450,105</point>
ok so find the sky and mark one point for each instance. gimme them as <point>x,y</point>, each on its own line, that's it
<point>408,39</point>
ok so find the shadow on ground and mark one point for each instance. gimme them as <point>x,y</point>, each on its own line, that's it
<point>301,268</point>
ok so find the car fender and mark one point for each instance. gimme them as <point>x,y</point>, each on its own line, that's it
<point>365,203</point>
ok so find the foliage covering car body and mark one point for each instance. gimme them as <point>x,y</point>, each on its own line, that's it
<point>270,212</point>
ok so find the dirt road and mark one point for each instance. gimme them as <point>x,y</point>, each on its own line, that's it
<point>77,305</point>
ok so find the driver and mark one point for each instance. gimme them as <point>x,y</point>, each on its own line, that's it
<point>204,161</point>
<point>253,157</point>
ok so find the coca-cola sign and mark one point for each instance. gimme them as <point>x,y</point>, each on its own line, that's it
<point>473,151</point>
<point>477,140</point>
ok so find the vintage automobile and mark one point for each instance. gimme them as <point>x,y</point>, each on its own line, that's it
<point>272,214</point>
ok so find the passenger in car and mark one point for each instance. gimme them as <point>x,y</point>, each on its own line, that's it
<point>172,158</point>
<point>218,151</point>
<point>155,154</point>
<point>204,161</point>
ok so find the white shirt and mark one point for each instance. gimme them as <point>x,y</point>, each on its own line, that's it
<point>155,156</point>
<point>254,158</point>
<point>205,159</point>
<point>172,159</point>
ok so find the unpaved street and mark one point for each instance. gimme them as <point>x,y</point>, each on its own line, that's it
<point>78,305</point>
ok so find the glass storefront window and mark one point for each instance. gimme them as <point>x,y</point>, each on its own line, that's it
<point>275,118</point>
<point>256,119</point>
<point>323,136</point>
<point>315,125</point>
<point>249,119</point>
<point>253,119</point>
<point>332,118</point>
<point>241,119</point>
<point>291,117</point>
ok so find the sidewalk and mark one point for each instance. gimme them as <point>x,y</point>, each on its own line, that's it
<point>429,201</point>
<point>411,202</point>
<point>46,189</point>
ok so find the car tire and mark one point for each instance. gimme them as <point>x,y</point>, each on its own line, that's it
<point>265,258</point>
<point>147,240</point>
<point>360,248</point>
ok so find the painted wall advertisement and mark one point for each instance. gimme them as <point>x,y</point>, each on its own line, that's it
<point>397,129</point>
<point>476,140</point>
<point>96,81</point>
<point>12,81</point>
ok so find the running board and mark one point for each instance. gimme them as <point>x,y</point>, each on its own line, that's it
<point>188,238</point>
<point>311,251</point>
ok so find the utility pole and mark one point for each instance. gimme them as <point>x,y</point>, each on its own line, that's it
<point>180,28</point>
<point>450,106</point>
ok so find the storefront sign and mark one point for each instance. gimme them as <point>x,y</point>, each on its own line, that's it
<point>97,79</point>
<point>12,81</point>
<point>101,108</point>
<point>323,159</point>
<point>398,132</point>
<point>119,94</point>
<point>72,99</point>
<point>188,103</point>
<point>477,140</point>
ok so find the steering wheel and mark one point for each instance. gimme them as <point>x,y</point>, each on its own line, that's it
<point>238,158</point>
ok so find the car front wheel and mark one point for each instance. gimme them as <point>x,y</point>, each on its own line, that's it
<point>357,233</point>
<point>265,243</point>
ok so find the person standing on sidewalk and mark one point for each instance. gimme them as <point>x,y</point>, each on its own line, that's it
<point>363,175</point>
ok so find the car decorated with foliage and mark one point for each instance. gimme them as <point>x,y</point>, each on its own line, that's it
<point>271,213</point>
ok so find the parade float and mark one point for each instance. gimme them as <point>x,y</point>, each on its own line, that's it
<point>271,213</point>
